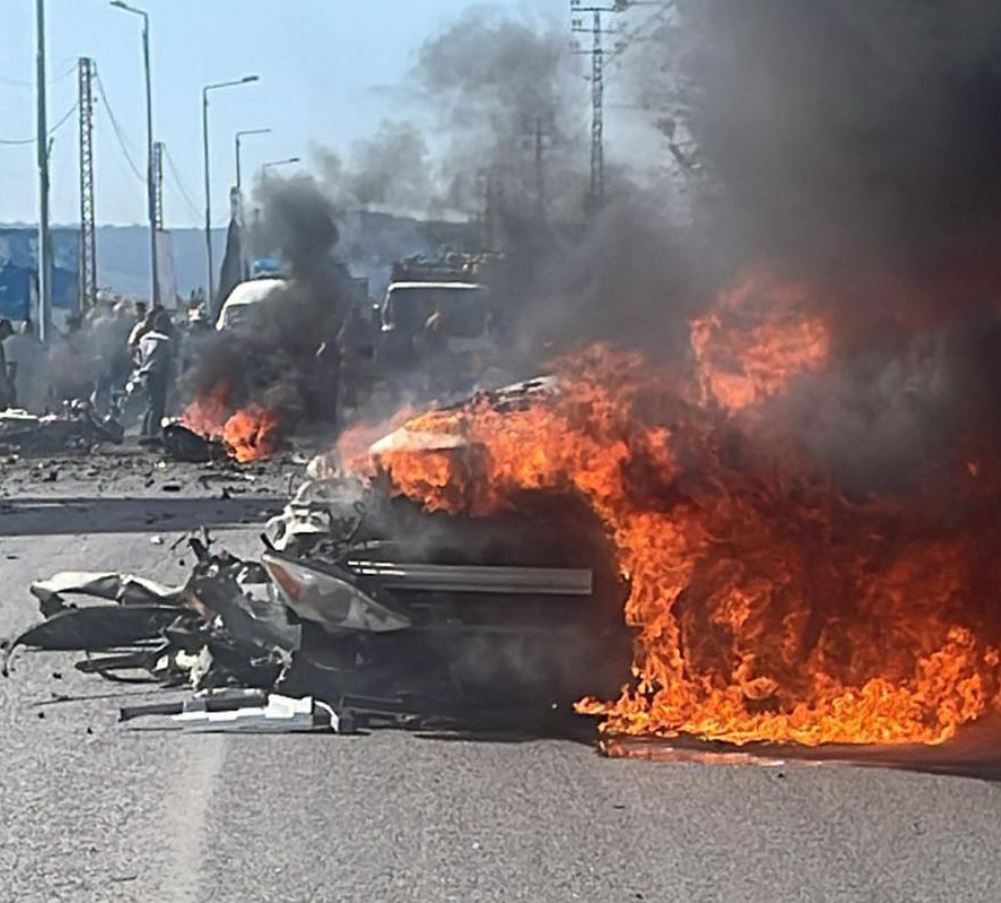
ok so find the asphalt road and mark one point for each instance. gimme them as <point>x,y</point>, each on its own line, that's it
<point>93,812</point>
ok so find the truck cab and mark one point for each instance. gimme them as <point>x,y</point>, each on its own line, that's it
<point>461,306</point>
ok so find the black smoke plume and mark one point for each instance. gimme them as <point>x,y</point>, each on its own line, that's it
<point>853,147</point>
<point>271,359</point>
<point>835,132</point>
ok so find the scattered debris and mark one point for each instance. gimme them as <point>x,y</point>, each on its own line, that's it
<point>362,608</point>
<point>241,712</point>
<point>76,427</point>
<point>184,444</point>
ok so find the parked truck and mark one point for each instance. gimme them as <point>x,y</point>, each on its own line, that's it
<point>438,323</point>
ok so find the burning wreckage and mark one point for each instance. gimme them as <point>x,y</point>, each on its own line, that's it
<point>473,567</point>
<point>377,609</point>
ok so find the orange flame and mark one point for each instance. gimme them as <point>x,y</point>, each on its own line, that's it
<point>758,337</point>
<point>354,441</point>
<point>766,606</point>
<point>249,434</point>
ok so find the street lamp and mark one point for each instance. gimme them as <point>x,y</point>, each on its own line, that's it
<point>273,164</point>
<point>240,135</point>
<point>208,184</point>
<point>150,179</point>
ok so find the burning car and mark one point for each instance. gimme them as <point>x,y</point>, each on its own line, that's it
<point>636,540</point>
<point>365,600</point>
<point>416,613</point>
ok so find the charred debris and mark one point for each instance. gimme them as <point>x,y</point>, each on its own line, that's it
<point>75,427</point>
<point>362,610</point>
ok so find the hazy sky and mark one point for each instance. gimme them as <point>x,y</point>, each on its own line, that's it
<point>330,71</point>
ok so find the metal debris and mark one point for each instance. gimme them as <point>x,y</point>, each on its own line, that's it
<point>75,427</point>
<point>361,607</point>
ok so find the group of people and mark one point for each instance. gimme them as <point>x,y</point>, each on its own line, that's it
<point>115,350</point>
<point>121,349</point>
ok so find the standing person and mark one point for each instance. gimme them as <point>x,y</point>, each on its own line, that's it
<point>144,322</point>
<point>7,395</point>
<point>108,332</point>
<point>155,355</point>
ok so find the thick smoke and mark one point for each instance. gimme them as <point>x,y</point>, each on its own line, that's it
<point>271,359</point>
<point>299,221</point>
<point>837,132</point>
<point>853,147</point>
<point>850,148</point>
<point>389,171</point>
<point>495,83</point>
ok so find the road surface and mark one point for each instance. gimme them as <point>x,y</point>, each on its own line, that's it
<point>93,812</point>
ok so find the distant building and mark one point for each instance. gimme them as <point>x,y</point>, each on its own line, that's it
<point>19,271</point>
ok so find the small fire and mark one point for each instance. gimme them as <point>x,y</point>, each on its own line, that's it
<point>767,607</point>
<point>252,433</point>
<point>249,434</point>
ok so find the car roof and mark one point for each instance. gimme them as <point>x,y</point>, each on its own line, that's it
<point>253,291</point>
<point>462,286</point>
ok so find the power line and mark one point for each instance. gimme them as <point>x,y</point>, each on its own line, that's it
<point>119,134</point>
<point>106,132</point>
<point>179,184</point>
<point>7,142</point>
<point>64,119</point>
<point>21,83</point>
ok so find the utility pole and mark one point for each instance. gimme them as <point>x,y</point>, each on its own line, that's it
<point>158,186</point>
<point>154,257</point>
<point>596,195</point>
<point>535,131</point>
<point>597,117</point>
<point>42,142</point>
<point>598,53</point>
<point>493,203</point>
<point>88,242</point>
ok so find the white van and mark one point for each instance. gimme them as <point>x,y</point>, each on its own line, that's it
<point>244,296</point>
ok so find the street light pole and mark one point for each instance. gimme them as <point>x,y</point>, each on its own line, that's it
<point>239,135</point>
<point>210,282</point>
<point>275,163</point>
<point>150,169</point>
<point>44,237</point>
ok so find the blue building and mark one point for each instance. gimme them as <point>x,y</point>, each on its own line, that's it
<point>19,271</point>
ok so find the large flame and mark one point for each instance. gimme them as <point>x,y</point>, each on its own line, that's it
<point>766,606</point>
<point>249,433</point>
<point>757,337</point>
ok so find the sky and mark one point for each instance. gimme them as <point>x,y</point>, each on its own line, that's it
<point>330,72</point>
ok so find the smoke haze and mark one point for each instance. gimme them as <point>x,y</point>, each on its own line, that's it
<point>484,86</point>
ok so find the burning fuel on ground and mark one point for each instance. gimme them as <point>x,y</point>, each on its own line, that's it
<point>249,433</point>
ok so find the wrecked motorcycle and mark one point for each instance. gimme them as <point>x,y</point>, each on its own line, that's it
<point>376,608</point>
